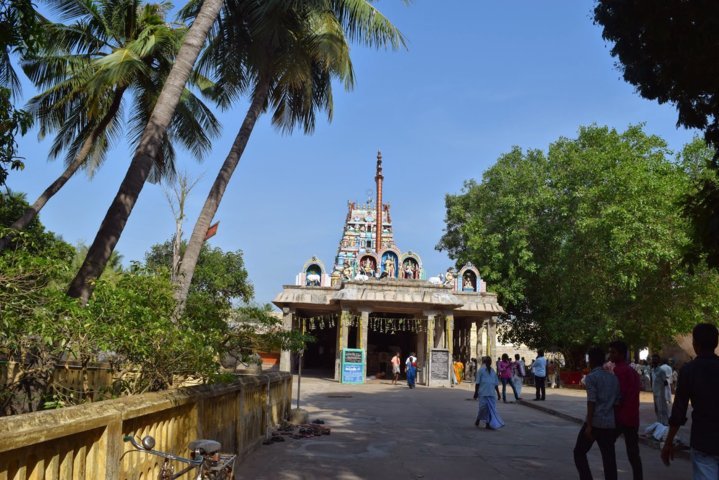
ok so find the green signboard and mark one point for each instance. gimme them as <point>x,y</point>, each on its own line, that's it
<point>353,363</point>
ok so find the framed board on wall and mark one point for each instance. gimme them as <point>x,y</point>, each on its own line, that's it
<point>439,367</point>
<point>353,362</point>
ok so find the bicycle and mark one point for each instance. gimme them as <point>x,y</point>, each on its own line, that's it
<point>205,457</point>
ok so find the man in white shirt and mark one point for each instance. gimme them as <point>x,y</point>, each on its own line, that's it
<point>539,368</point>
<point>660,385</point>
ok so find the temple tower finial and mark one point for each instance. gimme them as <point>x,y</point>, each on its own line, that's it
<point>378,218</point>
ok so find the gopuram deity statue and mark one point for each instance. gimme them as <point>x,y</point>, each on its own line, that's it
<point>346,270</point>
<point>408,270</point>
<point>368,267</point>
<point>389,267</point>
<point>449,277</point>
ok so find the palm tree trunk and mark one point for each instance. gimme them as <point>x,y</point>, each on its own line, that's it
<point>79,160</point>
<point>176,246</point>
<point>150,144</point>
<point>192,252</point>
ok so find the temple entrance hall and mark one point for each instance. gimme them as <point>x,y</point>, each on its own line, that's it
<point>387,335</point>
<point>320,354</point>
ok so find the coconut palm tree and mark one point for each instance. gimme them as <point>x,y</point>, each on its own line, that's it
<point>110,48</point>
<point>357,17</point>
<point>148,148</point>
<point>20,33</point>
<point>289,64</point>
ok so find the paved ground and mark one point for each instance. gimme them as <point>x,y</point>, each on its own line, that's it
<point>571,402</point>
<point>380,431</point>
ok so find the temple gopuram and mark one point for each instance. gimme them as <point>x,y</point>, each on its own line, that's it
<point>378,299</point>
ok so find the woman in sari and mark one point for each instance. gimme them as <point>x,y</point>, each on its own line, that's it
<point>411,364</point>
<point>458,371</point>
<point>485,388</point>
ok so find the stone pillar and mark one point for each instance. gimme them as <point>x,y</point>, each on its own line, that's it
<point>475,339</point>
<point>422,354</point>
<point>492,338</point>
<point>439,332</point>
<point>449,334</point>
<point>429,346</point>
<point>286,355</point>
<point>342,334</point>
<point>362,336</point>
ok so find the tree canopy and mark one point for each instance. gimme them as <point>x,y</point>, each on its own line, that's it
<point>667,50</point>
<point>219,275</point>
<point>129,324</point>
<point>584,243</point>
<point>13,122</point>
<point>19,32</point>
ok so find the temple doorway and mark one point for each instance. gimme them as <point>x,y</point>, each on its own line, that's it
<point>387,335</point>
<point>320,355</point>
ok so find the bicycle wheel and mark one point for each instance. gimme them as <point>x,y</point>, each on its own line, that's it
<point>220,469</point>
<point>166,471</point>
<point>225,474</point>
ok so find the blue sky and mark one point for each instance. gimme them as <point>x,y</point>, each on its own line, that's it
<point>478,77</point>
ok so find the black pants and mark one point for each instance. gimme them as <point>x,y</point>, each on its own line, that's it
<point>539,383</point>
<point>605,438</point>
<point>631,440</point>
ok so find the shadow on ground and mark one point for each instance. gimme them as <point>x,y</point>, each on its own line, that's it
<point>383,431</point>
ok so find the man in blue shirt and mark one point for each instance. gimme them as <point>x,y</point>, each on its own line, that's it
<point>539,369</point>
<point>602,395</point>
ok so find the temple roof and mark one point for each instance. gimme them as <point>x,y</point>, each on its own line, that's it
<point>389,293</point>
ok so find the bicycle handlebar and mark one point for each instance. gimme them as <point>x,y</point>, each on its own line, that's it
<point>133,440</point>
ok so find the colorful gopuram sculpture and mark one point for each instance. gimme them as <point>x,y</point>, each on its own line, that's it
<point>367,249</point>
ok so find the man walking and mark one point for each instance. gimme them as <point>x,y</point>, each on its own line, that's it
<point>626,414</point>
<point>539,368</point>
<point>552,374</point>
<point>699,383</point>
<point>599,425</point>
<point>504,367</point>
<point>660,382</point>
<point>395,367</point>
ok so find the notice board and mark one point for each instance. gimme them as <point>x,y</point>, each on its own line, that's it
<point>439,365</point>
<point>353,365</point>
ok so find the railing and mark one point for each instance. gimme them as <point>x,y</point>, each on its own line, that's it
<point>85,441</point>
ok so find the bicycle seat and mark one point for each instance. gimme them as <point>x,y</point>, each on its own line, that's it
<point>206,447</point>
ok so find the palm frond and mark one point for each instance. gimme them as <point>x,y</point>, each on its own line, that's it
<point>8,76</point>
<point>81,37</point>
<point>72,9</point>
<point>363,23</point>
<point>194,125</point>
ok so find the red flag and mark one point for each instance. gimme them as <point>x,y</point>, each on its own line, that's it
<point>212,231</point>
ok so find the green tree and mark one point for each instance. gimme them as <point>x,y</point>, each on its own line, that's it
<point>87,67</point>
<point>13,122</point>
<point>19,33</point>
<point>585,243</point>
<point>35,239</point>
<point>666,50</point>
<point>219,275</point>
<point>31,303</point>
<point>359,19</point>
